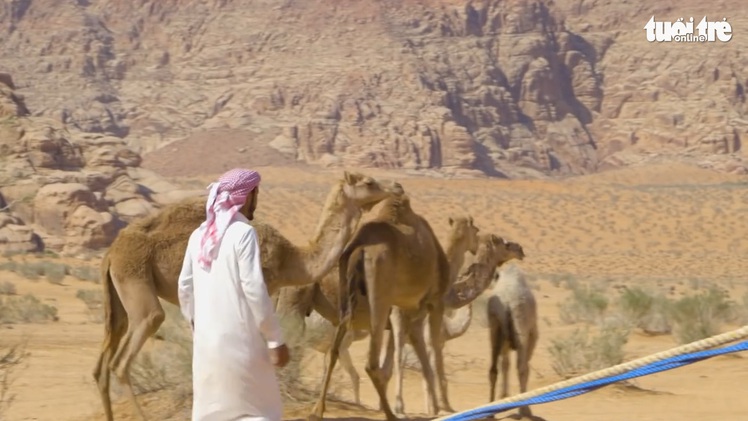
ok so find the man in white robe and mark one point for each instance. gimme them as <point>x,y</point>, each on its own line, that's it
<point>237,339</point>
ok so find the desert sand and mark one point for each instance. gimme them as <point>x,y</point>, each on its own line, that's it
<point>673,228</point>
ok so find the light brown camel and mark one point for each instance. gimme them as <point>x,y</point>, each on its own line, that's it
<point>393,261</point>
<point>493,252</point>
<point>463,237</point>
<point>144,261</point>
<point>513,325</point>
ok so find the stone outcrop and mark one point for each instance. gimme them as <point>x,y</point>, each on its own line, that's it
<point>510,88</point>
<point>61,189</point>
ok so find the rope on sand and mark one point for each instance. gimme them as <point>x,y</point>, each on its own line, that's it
<point>662,361</point>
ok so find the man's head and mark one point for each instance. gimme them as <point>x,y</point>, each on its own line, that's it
<point>250,205</point>
<point>242,187</point>
<point>235,191</point>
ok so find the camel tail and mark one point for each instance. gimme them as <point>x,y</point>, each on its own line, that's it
<point>351,265</point>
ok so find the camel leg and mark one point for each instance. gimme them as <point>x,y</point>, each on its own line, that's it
<point>145,316</point>
<point>387,362</point>
<point>347,362</point>
<point>376,374</point>
<point>415,333</point>
<point>319,407</point>
<point>436,319</point>
<point>504,372</point>
<point>102,373</point>
<point>496,341</point>
<point>524,353</point>
<point>424,383</point>
<point>398,334</point>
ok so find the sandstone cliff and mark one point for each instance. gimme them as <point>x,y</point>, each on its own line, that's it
<point>515,87</point>
<point>65,190</point>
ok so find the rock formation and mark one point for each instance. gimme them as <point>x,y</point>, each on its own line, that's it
<point>64,190</point>
<point>518,88</point>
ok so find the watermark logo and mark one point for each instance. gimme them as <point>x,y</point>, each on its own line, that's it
<point>680,31</point>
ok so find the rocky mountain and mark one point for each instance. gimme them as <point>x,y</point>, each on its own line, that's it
<point>66,190</point>
<point>514,88</point>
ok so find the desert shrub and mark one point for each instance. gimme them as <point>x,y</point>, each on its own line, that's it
<point>587,304</point>
<point>25,309</point>
<point>583,351</point>
<point>94,299</point>
<point>701,315</point>
<point>296,336</point>
<point>85,273</point>
<point>170,366</point>
<point>10,360</point>
<point>7,288</point>
<point>645,310</point>
<point>54,272</point>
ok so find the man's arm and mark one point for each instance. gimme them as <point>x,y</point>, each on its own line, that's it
<point>253,284</point>
<point>185,289</point>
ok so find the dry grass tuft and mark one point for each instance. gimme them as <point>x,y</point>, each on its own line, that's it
<point>584,351</point>
<point>94,301</point>
<point>53,272</point>
<point>25,309</point>
<point>10,360</point>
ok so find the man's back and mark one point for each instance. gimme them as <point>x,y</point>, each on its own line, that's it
<point>226,335</point>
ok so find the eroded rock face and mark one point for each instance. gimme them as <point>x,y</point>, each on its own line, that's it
<point>64,190</point>
<point>511,87</point>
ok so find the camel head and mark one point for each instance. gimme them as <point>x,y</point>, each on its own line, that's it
<point>501,250</point>
<point>364,192</point>
<point>463,230</point>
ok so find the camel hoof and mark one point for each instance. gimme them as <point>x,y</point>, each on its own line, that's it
<point>442,412</point>
<point>447,409</point>
<point>525,412</point>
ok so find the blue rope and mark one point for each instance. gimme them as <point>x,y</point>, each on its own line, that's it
<point>582,388</point>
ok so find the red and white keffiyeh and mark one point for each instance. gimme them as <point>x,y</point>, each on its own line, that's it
<point>226,197</point>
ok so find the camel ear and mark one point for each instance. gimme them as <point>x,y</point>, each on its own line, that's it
<point>451,221</point>
<point>470,219</point>
<point>349,178</point>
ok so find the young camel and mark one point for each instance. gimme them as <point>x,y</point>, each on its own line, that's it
<point>322,322</point>
<point>144,261</point>
<point>513,325</point>
<point>394,260</point>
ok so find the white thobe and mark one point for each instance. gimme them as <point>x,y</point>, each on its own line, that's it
<point>233,378</point>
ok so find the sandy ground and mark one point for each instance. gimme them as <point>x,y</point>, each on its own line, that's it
<point>673,227</point>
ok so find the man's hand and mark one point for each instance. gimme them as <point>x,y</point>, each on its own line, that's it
<point>279,356</point>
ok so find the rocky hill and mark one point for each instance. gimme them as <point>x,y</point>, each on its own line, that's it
<point>516,87</point>
<point>66,190</point>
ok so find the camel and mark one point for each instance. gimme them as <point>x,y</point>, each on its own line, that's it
<point>493,252</point>
<point>393,261</point>
<point>143,263</point>
<point>463,238</point>
<point>513,325</point>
